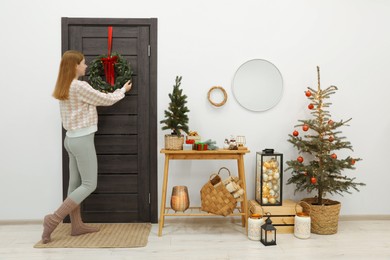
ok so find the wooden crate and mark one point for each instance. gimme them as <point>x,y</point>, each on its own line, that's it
<point>282,216</point>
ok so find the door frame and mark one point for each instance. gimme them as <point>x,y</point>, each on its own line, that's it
<point>152,24</point>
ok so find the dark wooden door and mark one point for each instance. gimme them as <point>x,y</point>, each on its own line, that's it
<point>126,141</point>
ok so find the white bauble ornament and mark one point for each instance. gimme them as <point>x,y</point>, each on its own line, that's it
<point>272,200</point>
<point>265,201</point>
<point>269,185</point>
<point>276,175</point>
<point>265,177</point>
<point>272,192</point>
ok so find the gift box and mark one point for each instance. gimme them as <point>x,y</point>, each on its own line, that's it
<point>187,147</point>
<point>191,141</point>
<point>201,146</point>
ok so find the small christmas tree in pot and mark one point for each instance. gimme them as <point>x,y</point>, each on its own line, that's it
<point>176,118</point>
<point>319,168</point>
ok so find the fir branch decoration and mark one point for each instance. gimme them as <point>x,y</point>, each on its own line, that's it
<point>123,73</point>
<point>176,118</point>
<point>323,170</point>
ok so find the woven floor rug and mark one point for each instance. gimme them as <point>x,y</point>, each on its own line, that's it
<point>109,236</point>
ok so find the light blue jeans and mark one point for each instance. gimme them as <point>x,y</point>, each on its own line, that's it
<point>82,166</point>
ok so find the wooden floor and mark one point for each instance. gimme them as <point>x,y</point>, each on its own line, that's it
<point>212,238</point>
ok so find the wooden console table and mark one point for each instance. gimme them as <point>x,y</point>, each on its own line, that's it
<point>202,155</point>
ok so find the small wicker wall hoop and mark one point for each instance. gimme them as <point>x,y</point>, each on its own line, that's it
<point>304,202</point>
<point>225,169</point>
<point>224,96</point>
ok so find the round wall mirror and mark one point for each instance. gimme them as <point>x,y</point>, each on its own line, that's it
<point>258,85</point>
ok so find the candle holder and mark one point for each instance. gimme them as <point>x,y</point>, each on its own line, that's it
<point>255,221</point>
<point>269,178</point>
<point>268,232</point>
<point>302,222</point>
<point>180,200</point>
<point>241,141</point>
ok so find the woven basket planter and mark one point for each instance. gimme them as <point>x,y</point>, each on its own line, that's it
<point>174,142</point>
<point>324,218</point>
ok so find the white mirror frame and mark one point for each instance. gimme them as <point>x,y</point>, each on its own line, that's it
<point>257,85</point>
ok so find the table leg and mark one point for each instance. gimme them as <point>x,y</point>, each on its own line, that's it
<point>164,195</point>
<point>244,204</point>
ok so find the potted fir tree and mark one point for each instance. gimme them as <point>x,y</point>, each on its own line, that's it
<point>176,118</point>
<point>319,167</point>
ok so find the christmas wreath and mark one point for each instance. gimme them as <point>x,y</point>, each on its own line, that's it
<point>122,72</point>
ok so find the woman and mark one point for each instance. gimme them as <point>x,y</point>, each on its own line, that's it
<point>78,101</point>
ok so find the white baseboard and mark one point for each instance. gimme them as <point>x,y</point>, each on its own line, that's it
<point>21,222</point>
<point>363,217</point>
<point>342,218</point>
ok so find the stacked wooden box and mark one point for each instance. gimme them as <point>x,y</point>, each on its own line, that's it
<point>282,216</point>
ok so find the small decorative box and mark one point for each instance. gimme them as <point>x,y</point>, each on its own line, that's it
<point>187,146</point>
<point>201,146</point>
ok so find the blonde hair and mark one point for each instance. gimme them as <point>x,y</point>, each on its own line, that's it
<point>67,73</point>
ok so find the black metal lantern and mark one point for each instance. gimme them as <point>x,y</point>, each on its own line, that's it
<point>268,232</point>
<point>269,178</point>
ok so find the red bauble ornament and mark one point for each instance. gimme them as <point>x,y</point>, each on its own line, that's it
<point>300,159</point>
<point>308,93</point>
<point>310,106</point>
<point>295,133</point>
<point>305,128</point>
<point>334,156</point>
<point>331,138</point>
<point>330,122</point>
<point>353,161</point>
<point>313,180</point>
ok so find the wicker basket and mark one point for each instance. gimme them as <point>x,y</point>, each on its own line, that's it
<point>324,218</point>
<point>174,142</point>
<point>216,198</point>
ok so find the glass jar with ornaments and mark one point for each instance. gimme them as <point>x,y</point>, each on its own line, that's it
<point>269,181</point>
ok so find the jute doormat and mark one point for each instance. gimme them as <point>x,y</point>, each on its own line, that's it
<point>110,235</point>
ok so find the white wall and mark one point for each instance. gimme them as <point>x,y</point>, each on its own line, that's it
<point>205,42</point>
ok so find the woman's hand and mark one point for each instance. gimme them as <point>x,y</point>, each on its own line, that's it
<point>128,85</point>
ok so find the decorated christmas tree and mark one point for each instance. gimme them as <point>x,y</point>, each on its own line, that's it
<point>176,117</point>
<point>319,167</point>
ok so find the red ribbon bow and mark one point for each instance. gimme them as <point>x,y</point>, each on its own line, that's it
<point>109,62</point>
